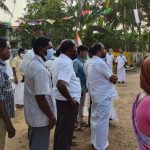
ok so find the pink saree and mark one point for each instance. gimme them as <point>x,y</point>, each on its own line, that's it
<point>143,140</point>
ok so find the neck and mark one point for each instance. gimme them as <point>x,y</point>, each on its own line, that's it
<point>80,57</point>
<point>3,59</point>
<point>41,57</point>
<point>67,55</point>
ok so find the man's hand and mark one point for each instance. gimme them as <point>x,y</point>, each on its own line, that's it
<point>11,131</point>
<point>113,79</point>
<point>52,121</point>
<point>73,102</point>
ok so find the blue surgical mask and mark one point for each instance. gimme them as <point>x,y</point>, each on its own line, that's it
<point>50,54</point>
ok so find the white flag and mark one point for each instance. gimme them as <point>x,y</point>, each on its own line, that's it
<point>136,15</point>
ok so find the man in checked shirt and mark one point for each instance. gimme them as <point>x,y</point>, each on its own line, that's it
<point>6,96</point>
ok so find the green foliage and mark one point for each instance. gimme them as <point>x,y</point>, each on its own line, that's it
<point>114,26</point>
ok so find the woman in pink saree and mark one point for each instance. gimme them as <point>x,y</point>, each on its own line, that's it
<point>141,108</point>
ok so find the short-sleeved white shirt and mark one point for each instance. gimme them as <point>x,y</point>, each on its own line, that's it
<point>37,82</point>
<point>63,70</point>
<point>121,60</point>
<point>109,59</point>
<point>27,58</point>
<point>100,87</point>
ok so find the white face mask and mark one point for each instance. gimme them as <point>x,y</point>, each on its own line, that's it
<point>22,55</point>
<point>50,54</point>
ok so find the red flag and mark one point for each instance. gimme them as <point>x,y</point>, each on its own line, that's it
<point>85,12</point>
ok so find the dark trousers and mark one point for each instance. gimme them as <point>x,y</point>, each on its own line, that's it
<point>89,117</point>
<point>39,138</point>
<point>66,118</point>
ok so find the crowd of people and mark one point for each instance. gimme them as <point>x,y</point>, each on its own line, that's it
<point>53,92</point>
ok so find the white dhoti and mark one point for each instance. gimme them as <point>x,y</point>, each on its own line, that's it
<point>121,74</point>
<point>113,114</point>
<point>100,114</point>
<point>19,93</point>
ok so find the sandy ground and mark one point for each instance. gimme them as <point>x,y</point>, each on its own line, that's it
<point>121,136</point>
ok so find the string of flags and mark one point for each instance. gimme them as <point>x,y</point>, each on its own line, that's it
<point>136,15</point>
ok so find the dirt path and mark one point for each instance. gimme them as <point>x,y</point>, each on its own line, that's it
<point>121,135</point>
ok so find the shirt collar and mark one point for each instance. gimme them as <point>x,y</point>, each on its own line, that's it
<point>98,58</point>
<point>82,60</point>
<point>2,62</point>
<point>40,59</point>
<point>66,58</point>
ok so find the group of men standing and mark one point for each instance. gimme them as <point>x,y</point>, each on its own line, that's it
<point>57,96</point>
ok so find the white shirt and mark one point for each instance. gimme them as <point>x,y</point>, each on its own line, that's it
<point>27,58</point>
<point>109,60</point>
<point>37,82</point>
<point>9,70</point>
<point>49,65</point>
<point>86,66</point>
<point>63,70</point>
<point>100,87</point>
<point>121,60</point>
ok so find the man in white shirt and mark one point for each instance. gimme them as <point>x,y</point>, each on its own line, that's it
<point>18,78</point>
<point>121,61</point>
<point>67,92</point>
<point>30,55</point>
<point>110,59</point>
<point>39,105</point>
<point>102,91</point>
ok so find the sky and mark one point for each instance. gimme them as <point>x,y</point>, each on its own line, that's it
<point>19,11</point>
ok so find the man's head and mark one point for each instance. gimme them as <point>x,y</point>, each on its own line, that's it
<point>98,49</point>
<point>121,52</point>
<point>68,47</point>
<point>82,51</point>
<point>110,51</point>
<point>21,52</point>
<point>4,49</point>
<point>41,45</point>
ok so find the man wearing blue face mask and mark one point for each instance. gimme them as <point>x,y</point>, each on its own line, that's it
<point>50,60</point>
<point>39,106</point>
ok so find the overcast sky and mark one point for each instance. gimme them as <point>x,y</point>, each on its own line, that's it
<point>19,11</point>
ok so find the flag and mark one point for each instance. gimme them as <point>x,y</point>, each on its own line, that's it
<point>67,18</point>
<point>50,21</point>
<point>85,12</point>
<point>107,3</point>
<point>136,15</point>
<point>107,11</point>
<point>78,39</point>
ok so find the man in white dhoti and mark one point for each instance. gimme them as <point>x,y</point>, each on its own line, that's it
<point>102,91</point>
<point>121,62</point>
<point>110,59</point>
<point>18,76</point>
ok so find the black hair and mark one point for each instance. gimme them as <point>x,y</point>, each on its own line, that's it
<point>58,52</point>
<point>20,50</point>
<point>96,47</point>
<point>82,48</point>
<point>40,42</point>
<point>3,43</point>
<point>32,42</point>
<point>65,45</point>
<point>90,52</point>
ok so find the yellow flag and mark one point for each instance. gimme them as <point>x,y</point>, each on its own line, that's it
<point>107,3</point>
